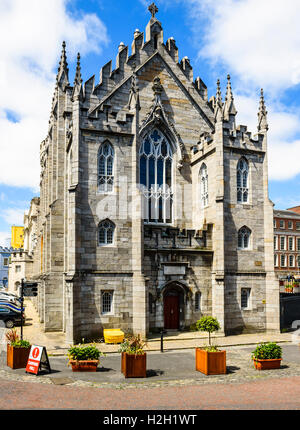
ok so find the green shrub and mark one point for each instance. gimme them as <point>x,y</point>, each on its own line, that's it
<point>21,344</point>
<point>268,350</point>
<point>80,352</point>
<point>208,324</point>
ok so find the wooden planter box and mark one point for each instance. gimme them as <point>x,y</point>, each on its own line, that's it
<point>84,365</point>
<point>211,363</point>
<point>134,366</point>
<point>265,364</point>
<point>17,357</point>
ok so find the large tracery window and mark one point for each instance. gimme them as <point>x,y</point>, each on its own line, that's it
<point>204,185</point>
<point>242,181</point>
<point>156,177</point>
<point>105,168</point>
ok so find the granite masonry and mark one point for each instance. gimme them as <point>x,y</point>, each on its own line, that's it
<point>154,206</point>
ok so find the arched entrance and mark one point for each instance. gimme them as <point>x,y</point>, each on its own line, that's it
<point>173,306</point>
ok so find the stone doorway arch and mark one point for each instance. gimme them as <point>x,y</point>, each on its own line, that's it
<point>174,300</point>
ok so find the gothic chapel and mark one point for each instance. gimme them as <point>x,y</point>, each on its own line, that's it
<point>154,206</point>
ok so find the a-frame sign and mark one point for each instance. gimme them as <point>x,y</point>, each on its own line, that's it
<point>37,360</point>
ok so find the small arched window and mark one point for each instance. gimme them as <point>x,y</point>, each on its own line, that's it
<point>244,238</point>
<point>105,168</point>
<point>106,231</point>
<point>242,181</point>
<point>203,185</point>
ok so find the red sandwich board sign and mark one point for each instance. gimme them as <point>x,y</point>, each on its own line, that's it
<point>37,360</point>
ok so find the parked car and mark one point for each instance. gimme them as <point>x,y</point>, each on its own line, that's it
<point>8,298</point>
<point>10,317</point>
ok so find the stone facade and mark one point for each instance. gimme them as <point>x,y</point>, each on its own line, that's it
<point>145,136</point>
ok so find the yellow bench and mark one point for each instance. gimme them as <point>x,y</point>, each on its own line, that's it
<point>113,335</point>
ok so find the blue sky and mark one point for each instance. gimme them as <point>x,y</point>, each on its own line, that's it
<point>255,41</point>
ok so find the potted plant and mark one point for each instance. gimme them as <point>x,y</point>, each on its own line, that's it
<point>133,357</point>
<point>267,356</point>
<point>17,350</point>
<point>210,360</point>
<point>84,358</point>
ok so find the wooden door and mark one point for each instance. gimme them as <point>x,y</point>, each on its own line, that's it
<point>171,312</point>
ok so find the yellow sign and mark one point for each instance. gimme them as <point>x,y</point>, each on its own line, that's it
<point>17,237</point>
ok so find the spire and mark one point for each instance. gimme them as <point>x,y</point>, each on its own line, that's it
<point>78,79</point>
<point>218,103</point>
<point>77,89</point>
<point>262,114</point>
<point>63,71</point>
<point>229,108</point>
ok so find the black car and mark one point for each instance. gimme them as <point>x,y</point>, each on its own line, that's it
<point>9,316</point>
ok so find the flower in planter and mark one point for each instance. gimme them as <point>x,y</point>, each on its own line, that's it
<point>133,345</point>
<point>210,325</point>
<point>14,340</point>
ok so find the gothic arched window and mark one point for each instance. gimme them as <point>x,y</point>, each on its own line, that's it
<point>203,185</point>
<point>156,177</point>
<point>105,168</point>
<point>106,231</point>
<point>242,180</point>
<point>244,238</point>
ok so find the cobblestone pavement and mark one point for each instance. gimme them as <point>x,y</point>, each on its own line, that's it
<point>164,369</point>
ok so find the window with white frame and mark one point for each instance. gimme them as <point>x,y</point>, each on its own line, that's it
<point>5,261</point>
<point>245,298</point>
<point>282,260</point>
<point>105,168</point>
<point>298,243</point>
<point>156,161</point>
<point>107,302</point>
<point>282,242</point>
<point>244,238</point>
<point>106,229</point>
<point>298,260</point>
<point>242,181</point>
<point>203,185</point>
<point>290,225</point>
<point>198,301</point>
<point>291,244</point>
<point>274,223</point>
<point>275,242</point>
<point>291,260</point>
<point>276,260</point>
<point>281,223</point>
<point>297,225</point>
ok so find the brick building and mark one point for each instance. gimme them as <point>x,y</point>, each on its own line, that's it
<point>154,206</point>
<point>286,243</point>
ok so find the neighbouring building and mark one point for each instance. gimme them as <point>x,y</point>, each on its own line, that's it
<point>154,206</point>
<point>286,244</point>
<point>22,260</point>
<point>5,254</point>
<point>295,209</point>
<point>17,236</point>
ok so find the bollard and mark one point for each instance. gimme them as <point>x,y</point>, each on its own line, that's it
<point>162,341</point>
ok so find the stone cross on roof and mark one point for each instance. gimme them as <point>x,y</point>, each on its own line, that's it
<point>153,9</point>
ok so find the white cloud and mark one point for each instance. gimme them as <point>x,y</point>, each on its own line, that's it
<point>258,39</point>
<point>13,216</point>
<point>33,32</point>
<point>257,42</point>
<point>5,238</point>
